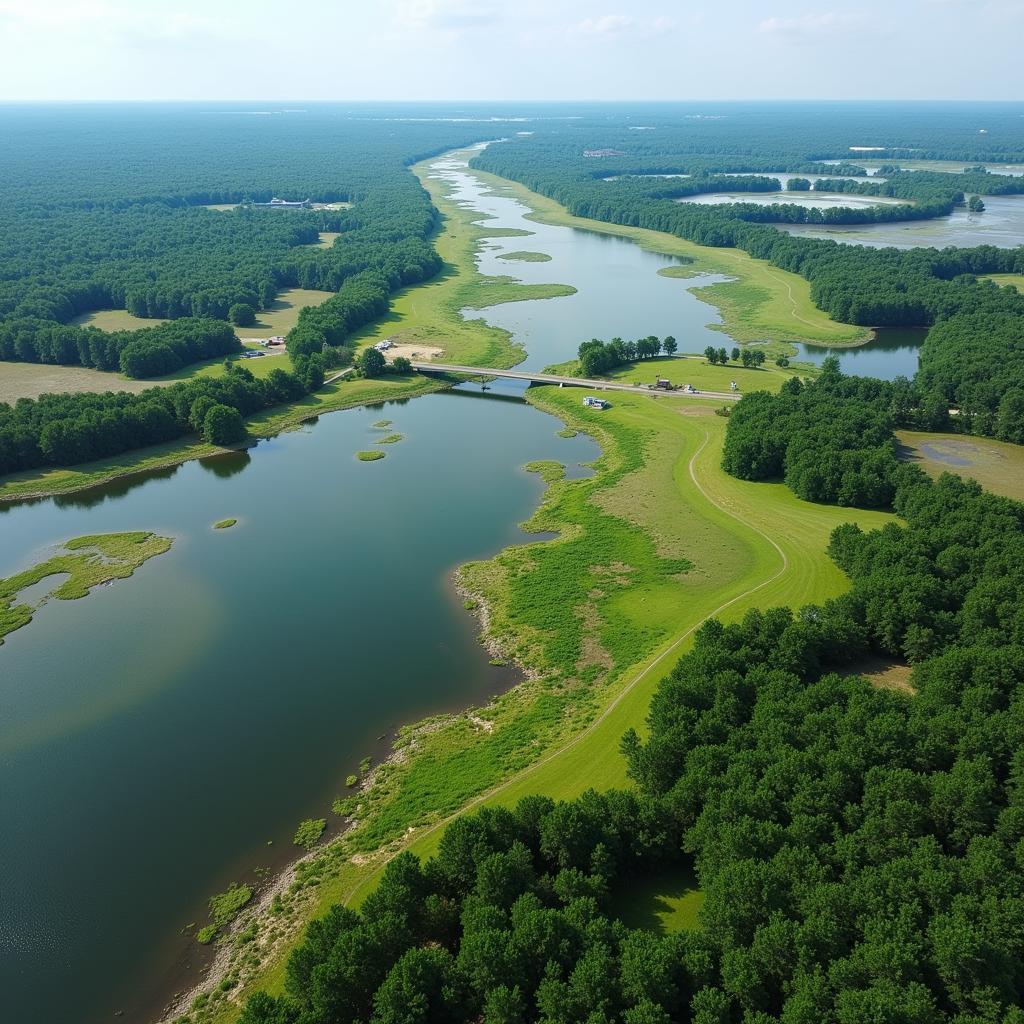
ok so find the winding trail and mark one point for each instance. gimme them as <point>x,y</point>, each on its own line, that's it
<point>610,707</point>
<point>789,293</point>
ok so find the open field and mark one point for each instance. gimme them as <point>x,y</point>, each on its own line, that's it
<point>1017,280</point>
<point>327,239</point>
<point>763,303</point>
<point>602,620</point>
<point>30,380</point>
<point>698,372</point>
<point>996,465</point>
<point>283,314</point>
<point>115,320</point>
<point>666,902</point>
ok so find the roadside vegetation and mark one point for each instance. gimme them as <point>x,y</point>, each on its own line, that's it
<point>86,562</point>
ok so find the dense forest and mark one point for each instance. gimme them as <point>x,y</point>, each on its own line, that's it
<point>858,848</point>
<point>64,429</point>
<point>919,287</point>
<point>832,439</point>
<point>121,224</point>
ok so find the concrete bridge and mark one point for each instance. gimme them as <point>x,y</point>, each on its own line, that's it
<point>575,382</point>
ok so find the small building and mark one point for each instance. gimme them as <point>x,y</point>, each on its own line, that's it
<point>662,384</point>
<point>285,204</point>
<point>595,403</point>
<point>276,340</point>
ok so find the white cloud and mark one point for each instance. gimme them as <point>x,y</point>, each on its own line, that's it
<point>444,15</point>
<point>611,26</point>
<point>606,25</point>
<point>812,25</point>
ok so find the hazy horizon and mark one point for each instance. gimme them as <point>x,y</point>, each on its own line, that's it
<point>494,51</point>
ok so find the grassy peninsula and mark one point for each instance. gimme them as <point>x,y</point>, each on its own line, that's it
<point>761,303</point>
<point>86,562</point>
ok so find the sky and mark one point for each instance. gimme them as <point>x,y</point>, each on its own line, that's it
<point>350,50</point>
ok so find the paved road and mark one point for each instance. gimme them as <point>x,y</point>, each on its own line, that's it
<point>554,378</point>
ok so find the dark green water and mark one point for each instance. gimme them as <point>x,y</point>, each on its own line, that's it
<point>155,735</point>
<point>891,353</point>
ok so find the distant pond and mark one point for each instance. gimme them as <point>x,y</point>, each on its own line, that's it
<point>892,352</point>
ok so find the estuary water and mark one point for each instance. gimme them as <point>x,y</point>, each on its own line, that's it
<point>163,736</point>
<point>1001,224</point>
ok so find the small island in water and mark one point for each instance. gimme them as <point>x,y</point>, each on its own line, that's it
<point>86,562</point>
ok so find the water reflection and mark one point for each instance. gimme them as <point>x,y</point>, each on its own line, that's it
<point>226,464</point>
<point>892,352</point>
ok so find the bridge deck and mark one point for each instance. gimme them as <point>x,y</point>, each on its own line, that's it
<point>576,382</point>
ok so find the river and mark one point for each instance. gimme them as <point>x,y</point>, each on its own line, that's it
<point>163,737</point>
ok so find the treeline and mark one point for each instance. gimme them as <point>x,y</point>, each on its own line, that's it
<point>64,429</point>
<point>597,357</point>
<point>832,440</point>
<point>148,352</point>
<point>77,234</point>
<point>853,284</point>
<point>857,848</point>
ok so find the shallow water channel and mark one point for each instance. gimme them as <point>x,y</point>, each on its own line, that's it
<point>163,736</point>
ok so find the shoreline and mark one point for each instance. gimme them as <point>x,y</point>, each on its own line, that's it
<point>280,419</point>
<point>169,1001</point>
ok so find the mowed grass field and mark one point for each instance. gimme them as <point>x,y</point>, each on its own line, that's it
<point>699,373</point>
<point>996,465</point>
<point>1016,280</point>
<point>115,320</point>
<point>763,303</point>
<point>283,313</point>
<point>30,380</point>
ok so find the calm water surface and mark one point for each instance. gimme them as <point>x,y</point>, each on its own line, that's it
<point>891,353</point>
<point>811,200</point>
<point>157,734</point>
<point>1002,224</point>
<point>619,291</point>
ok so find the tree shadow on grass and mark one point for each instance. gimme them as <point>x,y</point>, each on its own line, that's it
<point>667,901</point>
